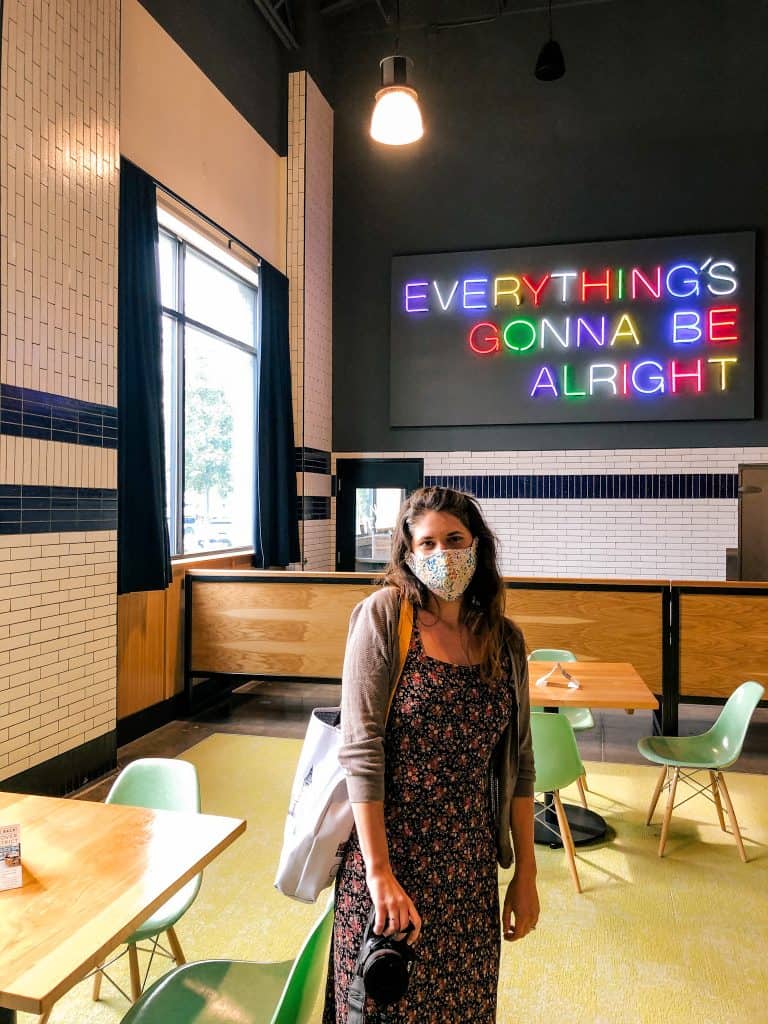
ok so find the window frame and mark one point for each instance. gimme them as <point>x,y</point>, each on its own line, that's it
<point>177,413</point>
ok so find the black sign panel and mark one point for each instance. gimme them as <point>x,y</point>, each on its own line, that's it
<point>650,329</point>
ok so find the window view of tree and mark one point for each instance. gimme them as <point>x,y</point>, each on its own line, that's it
<point>209,364</point>
<point>207,461</point>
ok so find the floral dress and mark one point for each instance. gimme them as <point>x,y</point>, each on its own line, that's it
<point>443,726</point>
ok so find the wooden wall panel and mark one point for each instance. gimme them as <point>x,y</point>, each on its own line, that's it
<point>596,625</point>
<point>285,629</point>
<point>150,638</point>
<point>723,642</point>
<point>140,651</point>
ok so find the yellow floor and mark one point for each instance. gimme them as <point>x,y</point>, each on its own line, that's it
<point>678,940</point>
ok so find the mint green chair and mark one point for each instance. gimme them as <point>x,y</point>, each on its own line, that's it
<point>161,784</point>
<point>558,764</point>
<point>219,991</point>
<point>580,718</point>
<point>711,752</point>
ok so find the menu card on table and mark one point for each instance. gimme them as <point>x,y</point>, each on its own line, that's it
<point>10,856</point>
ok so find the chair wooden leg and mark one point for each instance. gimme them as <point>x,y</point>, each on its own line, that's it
<point>133,965</point>
<point>732,817</point>
<point>718,802</point>
<point>582,794</point>
<point>178,952</point>
<point>656,793</point>
<point>567,838</point>
<point>668,811</point>
<point>97,980</point>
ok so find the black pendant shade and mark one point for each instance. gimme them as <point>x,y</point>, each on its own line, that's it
<point>550,64</point>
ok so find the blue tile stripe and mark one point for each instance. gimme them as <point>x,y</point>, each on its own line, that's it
<point>314,508</point>
<point>313,460</point>
<point>616,486</point>
<point>28,509</point>
<point>47,417</point>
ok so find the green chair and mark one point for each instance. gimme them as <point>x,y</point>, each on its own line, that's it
<point>711,752</point>
<point>580,718</point>
<point>558,764</point>
<point>219,991</point>
<point>162,784</point>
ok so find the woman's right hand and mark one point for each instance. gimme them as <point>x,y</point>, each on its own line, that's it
<point>394,907</point>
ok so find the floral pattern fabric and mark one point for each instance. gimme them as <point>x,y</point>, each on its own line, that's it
<point>443,726</point>
<point>446,573</point>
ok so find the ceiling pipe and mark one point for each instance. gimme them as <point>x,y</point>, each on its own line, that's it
<point>281,27</point>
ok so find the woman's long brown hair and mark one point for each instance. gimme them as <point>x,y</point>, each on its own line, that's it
<point>482,606</point>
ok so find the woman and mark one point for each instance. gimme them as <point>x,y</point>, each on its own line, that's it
<point>438,784</point>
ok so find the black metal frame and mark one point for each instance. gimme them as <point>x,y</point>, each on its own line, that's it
<point>230,680</point>
<point>665,720</point>
<point>352,473</point>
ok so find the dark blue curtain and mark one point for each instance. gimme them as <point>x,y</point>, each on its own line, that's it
<point>276,536</point>
<point>143,550</point>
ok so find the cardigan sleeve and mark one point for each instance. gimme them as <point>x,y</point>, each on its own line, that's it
<point>365,686</point>
<point>526,769</point>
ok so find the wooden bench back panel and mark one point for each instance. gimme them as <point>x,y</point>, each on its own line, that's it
<point>300,629</point>
<point>595,625</point>
<point>723,642</point>
<point>282,629</point>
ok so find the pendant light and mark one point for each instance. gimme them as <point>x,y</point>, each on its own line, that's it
<point>396,119</point>
<point>550,64</point>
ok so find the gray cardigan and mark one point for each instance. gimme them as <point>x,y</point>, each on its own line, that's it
<point>370,670</point>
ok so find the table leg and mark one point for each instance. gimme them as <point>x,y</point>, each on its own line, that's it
<point>586,826</point>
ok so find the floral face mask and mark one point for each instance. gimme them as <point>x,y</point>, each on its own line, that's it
<point>446,573</point>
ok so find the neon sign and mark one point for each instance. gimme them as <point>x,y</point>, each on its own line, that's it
<point>636,330</point>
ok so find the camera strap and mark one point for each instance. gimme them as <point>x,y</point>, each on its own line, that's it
<point>356,1001</point>
<point>356,1004</point>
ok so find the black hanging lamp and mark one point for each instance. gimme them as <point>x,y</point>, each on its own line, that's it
<point>396,119</point>
<point>550,64</point>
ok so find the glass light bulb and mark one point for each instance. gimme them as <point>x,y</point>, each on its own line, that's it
<point>396,119</point>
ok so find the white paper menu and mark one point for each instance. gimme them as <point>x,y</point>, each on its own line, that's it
<point>10,856</point>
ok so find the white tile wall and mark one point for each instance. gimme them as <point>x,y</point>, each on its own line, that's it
<point>309,263</point>
<point>58,314</point>
<point>297,94</point>
<point>25,460</point>
<point>58,642</point>
<point>633,539</point>
<point>318,545</point>
<point>59,197</point>
<point>318,212</point>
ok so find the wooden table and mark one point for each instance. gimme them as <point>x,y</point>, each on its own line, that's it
<point>92,873</point>
<point>603,684</point>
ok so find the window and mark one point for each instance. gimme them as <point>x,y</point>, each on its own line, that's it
<point>210,335</point>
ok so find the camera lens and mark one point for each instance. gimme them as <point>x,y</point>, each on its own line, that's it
<point>386,976</point>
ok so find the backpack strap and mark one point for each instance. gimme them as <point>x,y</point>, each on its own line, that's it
<point>404,631</point>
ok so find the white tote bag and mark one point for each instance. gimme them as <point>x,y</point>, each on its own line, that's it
<point>320,818</point>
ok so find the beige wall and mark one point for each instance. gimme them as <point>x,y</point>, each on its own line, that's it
<point>179,128</point>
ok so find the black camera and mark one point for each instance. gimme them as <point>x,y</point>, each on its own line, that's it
<point>384,963</point>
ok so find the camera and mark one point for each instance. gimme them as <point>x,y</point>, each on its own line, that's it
<point>384,963</point>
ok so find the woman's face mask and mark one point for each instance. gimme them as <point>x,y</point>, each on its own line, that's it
<point>446,573</point>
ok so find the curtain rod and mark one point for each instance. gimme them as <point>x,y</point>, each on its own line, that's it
<point>208,220</point>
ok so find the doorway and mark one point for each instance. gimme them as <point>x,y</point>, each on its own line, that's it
<point>369,493</point>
